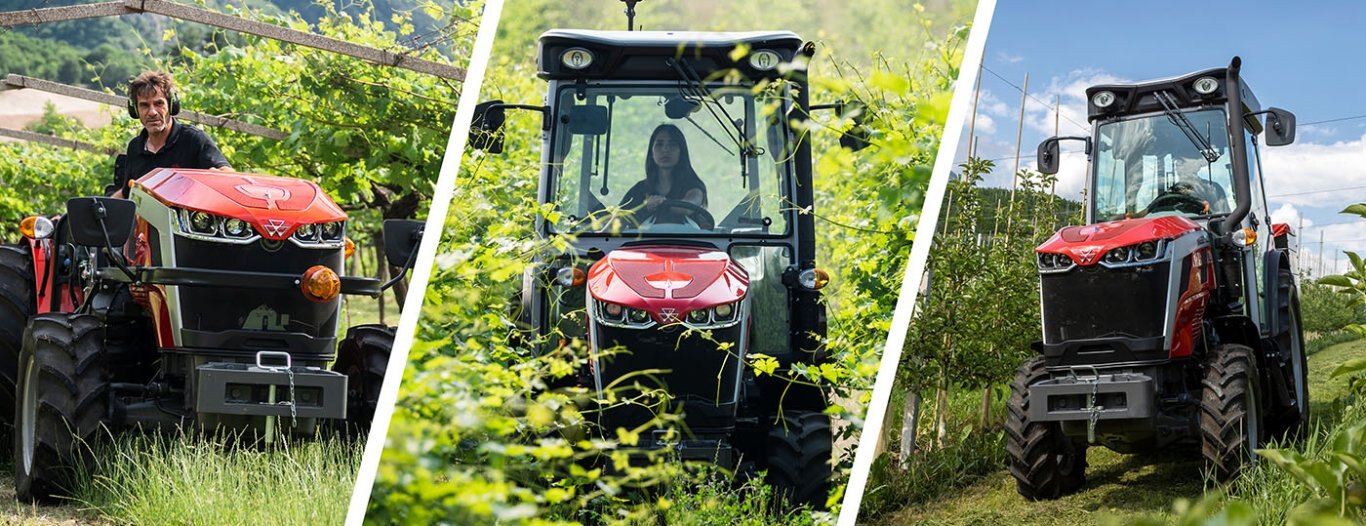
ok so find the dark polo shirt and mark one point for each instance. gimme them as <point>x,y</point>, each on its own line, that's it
<point>186,147</point>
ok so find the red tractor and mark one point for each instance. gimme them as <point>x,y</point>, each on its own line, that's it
<point>1172,317</point>
<point>207,297</point>
<point>679,182</point>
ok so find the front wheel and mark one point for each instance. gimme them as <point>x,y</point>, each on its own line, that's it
<point>17,303</point>
<point>363,357</point>
<point>1230,411</point>
<point>798,452</point>
<point>63,402</point>
<point>1046,463</point>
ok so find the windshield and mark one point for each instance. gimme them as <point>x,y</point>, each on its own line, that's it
<point>1149,166</point>
<point>657,161</point>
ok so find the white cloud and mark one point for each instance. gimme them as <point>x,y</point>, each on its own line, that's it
<point>985,125</point>
<point>1334,173</point>
<point>1290,215</point>
<point>1007,58</point>
<point>1069,93</point>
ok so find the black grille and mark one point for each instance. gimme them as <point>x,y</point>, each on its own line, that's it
<point>213,309</point>
<point>1098,302</point>
<point>697,374</point>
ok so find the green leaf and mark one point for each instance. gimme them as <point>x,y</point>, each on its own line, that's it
<point>1350,366</point>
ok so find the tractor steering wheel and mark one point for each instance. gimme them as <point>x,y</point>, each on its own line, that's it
<point>1178,202</point>
<point>699,214</point>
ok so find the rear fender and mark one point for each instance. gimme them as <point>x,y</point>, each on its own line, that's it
<point>1274,261</point>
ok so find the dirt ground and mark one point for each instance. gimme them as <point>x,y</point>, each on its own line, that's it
<point>20,107</point>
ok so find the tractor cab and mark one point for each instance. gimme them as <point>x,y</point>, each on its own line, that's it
<point>1172,316</point>
<point>672,171</point>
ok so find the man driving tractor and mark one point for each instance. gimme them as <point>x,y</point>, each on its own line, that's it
<point>163,142</point>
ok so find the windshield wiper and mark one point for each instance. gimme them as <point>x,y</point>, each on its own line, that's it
<point>1179,119</point>
<point>693,87</point>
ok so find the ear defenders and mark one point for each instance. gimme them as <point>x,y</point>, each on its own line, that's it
<point>174,100</point>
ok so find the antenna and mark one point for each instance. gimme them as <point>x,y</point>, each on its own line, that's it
<point>631,13</point>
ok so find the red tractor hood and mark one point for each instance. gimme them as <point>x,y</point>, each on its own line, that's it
<point>1086,244</point>
<point>276,206</point>
<point>667,277</point>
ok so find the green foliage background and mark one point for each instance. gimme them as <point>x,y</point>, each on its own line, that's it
<point>477,436</point>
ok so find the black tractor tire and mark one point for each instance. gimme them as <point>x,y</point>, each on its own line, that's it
<point>363,356</point>
<point>1230,410</point>
<point>1045,462</point>
<point>1293,422</point>
<point>63,404</point>
<point>17,303</point>
<point>797,455</point>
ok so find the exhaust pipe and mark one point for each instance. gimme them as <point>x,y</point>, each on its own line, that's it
<point>1241,185</point>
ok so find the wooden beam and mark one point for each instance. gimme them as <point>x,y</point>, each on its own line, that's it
<point>13,81</point>
<point>29,136</point>
<point>241,25</point>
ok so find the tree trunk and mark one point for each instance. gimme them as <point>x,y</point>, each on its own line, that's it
<point>383,276</point>
<point>941,410</point>
<point>986,407</point>
<point>910,417</point>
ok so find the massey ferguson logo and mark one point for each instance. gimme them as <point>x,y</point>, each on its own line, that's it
<point>1087,254</point>
<point>669,314</point>
<point>276,227</point>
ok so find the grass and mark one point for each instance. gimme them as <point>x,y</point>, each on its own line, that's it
<point>155,479</point>
<point>950,485</point>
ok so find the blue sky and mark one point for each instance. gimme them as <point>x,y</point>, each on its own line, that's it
<point>1307,59</point>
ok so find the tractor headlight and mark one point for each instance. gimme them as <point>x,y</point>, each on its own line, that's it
<point>320,235</point>
<point>204,226</point>
<point>1118,256</point>
<point>306,233</point>
<point>616,315</point>
<point>1145,253</point>
<point>236,228</point>
<point>333,231</point>
<point>203,223</point>
<point>718,317</point>
<point>1054,262</point>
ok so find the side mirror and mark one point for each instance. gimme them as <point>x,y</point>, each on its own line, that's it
<point>92,218</point>
<point>486,127</point>
<point>1280,127</point>
<point>855,138</point>
<point>588,120</point>
<point>401,238</point>
<point>1048,156</point>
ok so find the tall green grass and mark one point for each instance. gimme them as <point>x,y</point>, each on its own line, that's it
<point>1329,339</point>
<point>186,479</point>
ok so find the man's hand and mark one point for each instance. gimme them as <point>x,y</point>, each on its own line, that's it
<point>222,169</point>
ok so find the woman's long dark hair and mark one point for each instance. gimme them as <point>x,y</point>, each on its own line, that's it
<point>685,178</point>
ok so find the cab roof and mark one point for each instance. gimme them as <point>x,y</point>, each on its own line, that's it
<point>1141,97</point>
<point>642,55</point>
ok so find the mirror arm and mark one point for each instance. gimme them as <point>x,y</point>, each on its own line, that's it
<point>407,265</point>
<point>100,213</point>
<point>545,111</point>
